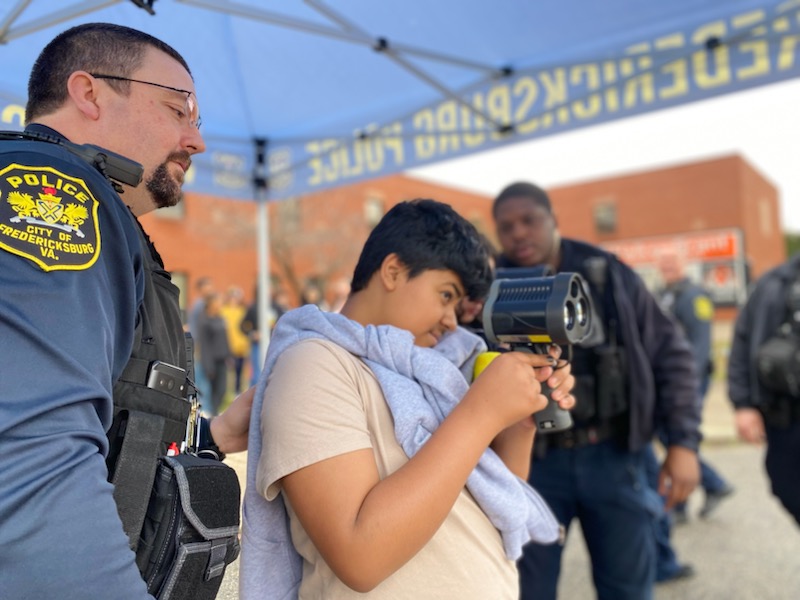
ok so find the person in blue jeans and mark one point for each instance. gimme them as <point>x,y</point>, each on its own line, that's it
<point>693,310</point>
<point>766,410</point>
<point>204,287</point>
<point>634,376</point>
<point>668,567</point>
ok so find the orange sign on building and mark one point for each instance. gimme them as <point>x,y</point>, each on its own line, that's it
<point>713,259</point>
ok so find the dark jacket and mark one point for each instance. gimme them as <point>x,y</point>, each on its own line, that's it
<point>213,341</point>
<point>758,320</point>
<point>692,308</point>
<point>661,376</point>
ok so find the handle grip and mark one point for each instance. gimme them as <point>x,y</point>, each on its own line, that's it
<point>552,418</point>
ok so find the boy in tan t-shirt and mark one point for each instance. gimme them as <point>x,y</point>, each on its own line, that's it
<point>364,517</point>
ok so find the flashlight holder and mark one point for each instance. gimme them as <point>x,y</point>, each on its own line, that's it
<point>530,314</point>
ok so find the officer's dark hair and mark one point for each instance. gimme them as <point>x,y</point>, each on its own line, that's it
<point>426,234</point>
<point>92,47</point>
<point>523,189</point>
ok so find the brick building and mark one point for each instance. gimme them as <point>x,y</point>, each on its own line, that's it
<point>319,236</point>
<point>711,204</point>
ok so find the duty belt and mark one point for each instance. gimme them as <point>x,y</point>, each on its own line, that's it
<point>584,435</point>
<point>782,412</point>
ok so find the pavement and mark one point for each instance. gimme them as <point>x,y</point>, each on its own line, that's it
<point>748,549</point>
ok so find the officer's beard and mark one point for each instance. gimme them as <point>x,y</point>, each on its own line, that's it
<point>163,187</point>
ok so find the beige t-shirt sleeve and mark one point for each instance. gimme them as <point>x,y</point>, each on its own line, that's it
<point>322,402</point>
<point>312,410</point>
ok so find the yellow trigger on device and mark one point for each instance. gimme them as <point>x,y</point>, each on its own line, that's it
<point>482,361</point>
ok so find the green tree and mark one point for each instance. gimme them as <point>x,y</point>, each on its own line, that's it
<point>792,243</point>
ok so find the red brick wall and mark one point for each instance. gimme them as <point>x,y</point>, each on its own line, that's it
<point>714,194</point>
<point>760,221</point>
<point>337,218</point>
<point>217,237</point>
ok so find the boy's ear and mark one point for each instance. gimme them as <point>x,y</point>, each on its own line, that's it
<point>391,270</point>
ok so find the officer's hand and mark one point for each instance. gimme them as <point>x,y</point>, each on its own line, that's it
<point>229,429</point>
<point>750,425</point>
<point>679,475</point>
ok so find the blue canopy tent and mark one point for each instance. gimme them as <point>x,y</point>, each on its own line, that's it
<point>298,96</point>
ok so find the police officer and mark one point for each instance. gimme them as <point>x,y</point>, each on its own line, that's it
<point>693,310</point>
<point>634,370</point>
<point>763,411</point>
<point>79,300</point>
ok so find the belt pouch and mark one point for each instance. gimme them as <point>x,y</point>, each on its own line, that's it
<point>610,369</point>
<point>191,530</point>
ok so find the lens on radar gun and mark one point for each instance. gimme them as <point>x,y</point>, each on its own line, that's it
<point>530,309</point>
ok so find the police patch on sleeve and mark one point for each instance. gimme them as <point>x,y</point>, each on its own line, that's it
<point>703,308</point>
<point>48,217</point>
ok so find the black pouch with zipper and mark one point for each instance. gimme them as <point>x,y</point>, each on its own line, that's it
<point>191,530</point>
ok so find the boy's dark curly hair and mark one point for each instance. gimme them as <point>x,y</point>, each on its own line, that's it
<point>426,234</point>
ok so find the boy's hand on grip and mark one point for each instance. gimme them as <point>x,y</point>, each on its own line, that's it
<point>560,379</point>
<point>509,389</point>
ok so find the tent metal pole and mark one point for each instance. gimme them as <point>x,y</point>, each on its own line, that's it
<point>264,309</point>
<point>7,34</point>
<point>12,16</point>
<point>232,8</point>
<point>384,47</point>
<point>260,184</point>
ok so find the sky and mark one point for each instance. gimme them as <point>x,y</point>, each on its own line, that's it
<point>762,125</point>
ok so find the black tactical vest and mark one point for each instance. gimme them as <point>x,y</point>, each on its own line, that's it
<point>147,420</point>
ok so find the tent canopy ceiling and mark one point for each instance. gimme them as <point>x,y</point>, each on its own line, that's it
<point>345,90</point>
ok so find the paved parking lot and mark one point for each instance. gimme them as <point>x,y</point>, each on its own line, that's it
<point>749,549</point>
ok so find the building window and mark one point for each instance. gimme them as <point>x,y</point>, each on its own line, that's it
<point>605,217</point>
<point>373,210</point>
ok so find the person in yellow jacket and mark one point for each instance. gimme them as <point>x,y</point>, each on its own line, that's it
<point>233,311</point>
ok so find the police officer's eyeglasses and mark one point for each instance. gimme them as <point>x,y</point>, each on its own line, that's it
<point>192,111</point>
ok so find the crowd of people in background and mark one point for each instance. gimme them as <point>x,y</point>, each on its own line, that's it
<point>226,334</point>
